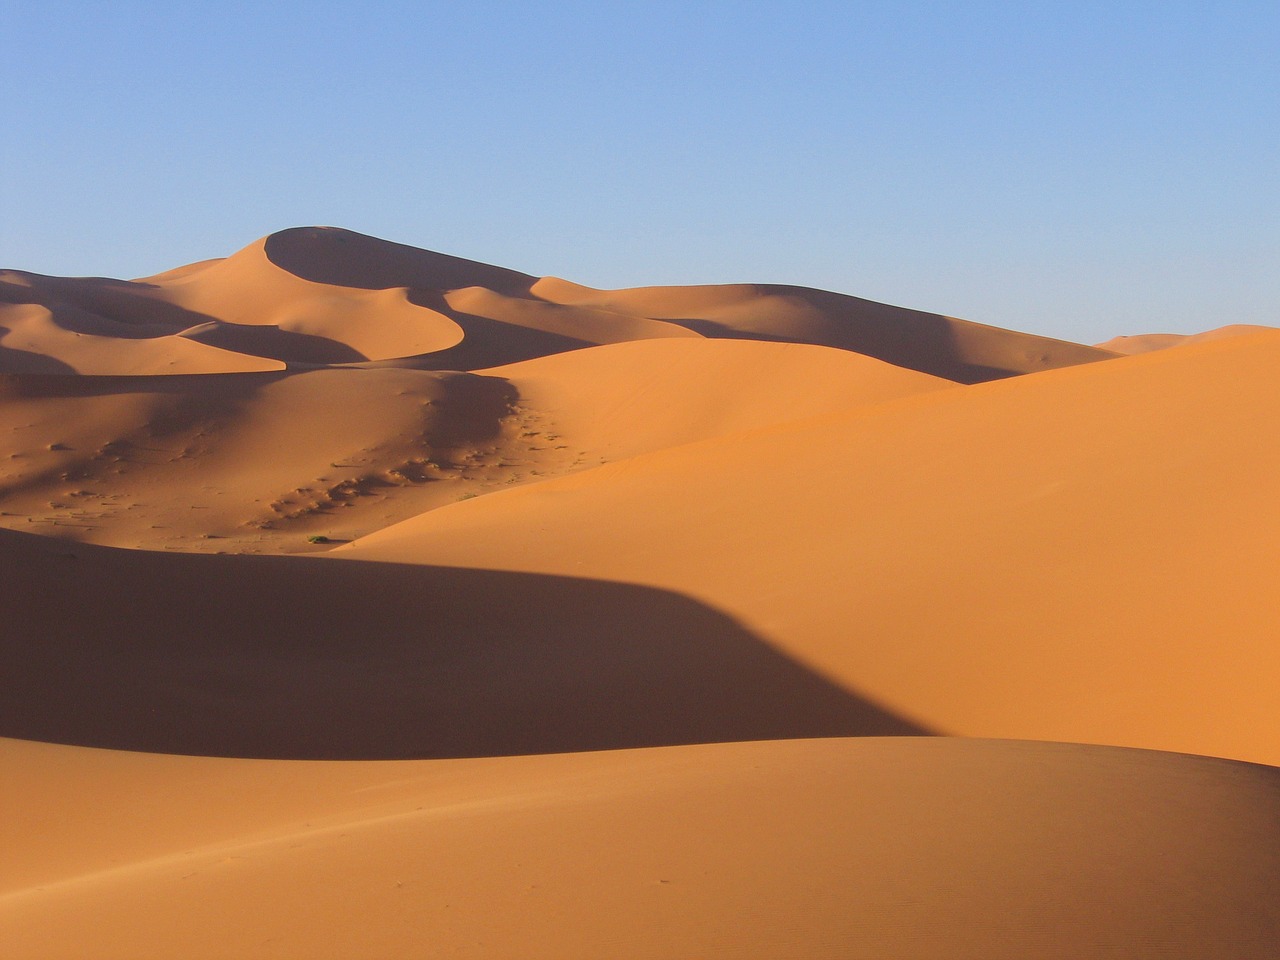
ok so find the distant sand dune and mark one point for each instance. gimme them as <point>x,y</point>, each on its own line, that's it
<point>322,295</point>
<point>1144,343</point>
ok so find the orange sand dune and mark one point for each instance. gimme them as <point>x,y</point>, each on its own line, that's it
<point>46,327</point>
<point>942,346</point>
<point>620,401</point>
<point>636,624</point>
<point>252,462</point>
<point>1144,343</point>
<point>319,295</point>
<point>258,463</point>
<point>1085,554</point>
<point>927,848</point>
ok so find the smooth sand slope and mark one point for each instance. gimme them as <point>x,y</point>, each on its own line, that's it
<point>915,848</point>
<point>1086,554</point>
<point>632,621</point>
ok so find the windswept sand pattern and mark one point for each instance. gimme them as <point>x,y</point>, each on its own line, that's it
<point>364,601</point>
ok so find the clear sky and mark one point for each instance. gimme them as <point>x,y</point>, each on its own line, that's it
<point>1072,168</point>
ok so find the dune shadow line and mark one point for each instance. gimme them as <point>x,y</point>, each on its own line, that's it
<point>291,657</point>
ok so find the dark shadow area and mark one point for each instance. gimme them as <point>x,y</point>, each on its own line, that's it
<point>273,343</point>
<point>294,657</point>
<point>202,388</point>
<point>946,347</point>
<point>124,303</point>
<point>100,307</point>
<point>471,410</point>
<point>488,343</point>
<point>906,338</point>
<point>349,259</point>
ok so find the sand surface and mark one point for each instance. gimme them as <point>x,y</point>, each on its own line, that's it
<point>364,601</point>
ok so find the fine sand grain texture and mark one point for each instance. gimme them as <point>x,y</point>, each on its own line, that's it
<point>364,601</point>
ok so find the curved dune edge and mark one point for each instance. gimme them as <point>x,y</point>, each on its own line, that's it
<point>947,347</point>
<point>1146,342</point>
<point>821,848</point>
<point>324,296</point>
<point>623,400</point>
<point>1088,554</point>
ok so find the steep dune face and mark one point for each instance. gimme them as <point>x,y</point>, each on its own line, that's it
<point>335,257</point>
<point>257,305</point>
<point>1019,559</point>
<point>927,848</point>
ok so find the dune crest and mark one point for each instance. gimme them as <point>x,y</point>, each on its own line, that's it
<point>321,295</point>
<point>1144,343</point>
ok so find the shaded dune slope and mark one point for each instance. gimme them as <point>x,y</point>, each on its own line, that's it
<point>958,350</point>
<point>1087,554</point>
<point>295,657</point>
<point>917,847</point>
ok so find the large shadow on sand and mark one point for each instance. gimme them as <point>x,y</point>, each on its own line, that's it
<point>290,657</point>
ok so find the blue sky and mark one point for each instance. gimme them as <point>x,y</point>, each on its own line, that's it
<point>1076,169</point>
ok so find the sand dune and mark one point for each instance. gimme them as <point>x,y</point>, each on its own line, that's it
<point>942,346</point>
<point>1145,343</point>
<point>320,295</point>
<point>635,398</point>
<point>824,848</point>
<point>1087,554</point>
<point>253,462</point>
<point>639,623</point>
<point>259,463</point>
